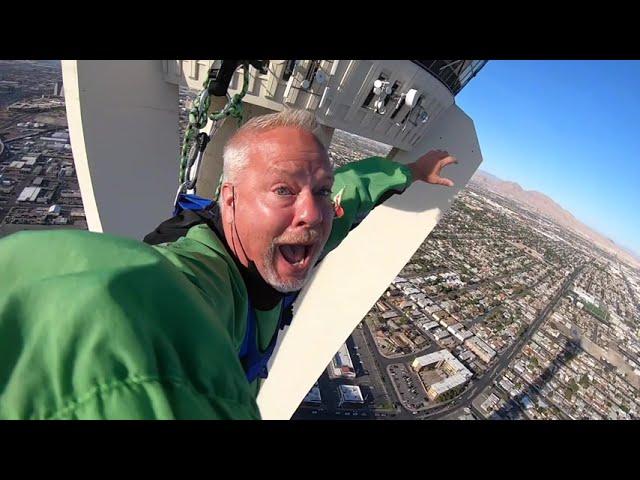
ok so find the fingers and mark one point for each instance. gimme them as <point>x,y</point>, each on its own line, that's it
<point>437,180</point>
<point>443,163</point>
<point>440,155</point>
<point>445,181</point>
<point>448,161</point>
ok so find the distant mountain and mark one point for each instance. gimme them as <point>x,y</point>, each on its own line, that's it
<point>544,205</point>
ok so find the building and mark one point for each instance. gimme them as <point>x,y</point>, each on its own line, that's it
<point>467,356</point>
<point>480,348</point>
<point>29,194</point>
<point>439,334</point>
<point>313,397</point>
<point>66,171</point>
<point>527,403</point>
<point>448,386</point>
<point>429,325</point>
<point>341,365</point>
<point>58,89</point>
<point>16,164</point>
<point>54,210</point>
<point>453,328</point>
<point>456,373</point>
<point>490,403</point>
<point>586,297</point>
<point>462,334</point>
<point>350,395</point>
<point>30,160</point>
<point>441,359</point>
<point>400,340</point>
<point>54,139</point>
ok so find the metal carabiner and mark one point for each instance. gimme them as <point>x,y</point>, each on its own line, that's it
<point>195,159</point>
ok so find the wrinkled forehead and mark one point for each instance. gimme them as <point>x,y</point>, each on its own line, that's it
<point>288,151</point>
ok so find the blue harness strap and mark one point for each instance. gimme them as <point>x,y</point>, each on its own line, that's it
<point>191,202</point>
<point>254,362</point>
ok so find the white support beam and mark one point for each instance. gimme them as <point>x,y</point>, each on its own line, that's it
<point>123,124</point>
<point>352,278</point>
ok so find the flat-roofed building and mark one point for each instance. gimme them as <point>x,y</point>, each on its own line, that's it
<point>457,373</point>
<point>30,160</point>
<point>480,348</point>
<point>313,397</point>
<point>29,194</point>
<point>350,395</point>
<point>462,334</point>
<point>341,365</point>
<point>448,386</point>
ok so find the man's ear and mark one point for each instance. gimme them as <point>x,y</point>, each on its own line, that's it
<point>227,199</point>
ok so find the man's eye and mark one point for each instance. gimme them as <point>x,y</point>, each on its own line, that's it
<point>325,192</point>
<point>282,191</point>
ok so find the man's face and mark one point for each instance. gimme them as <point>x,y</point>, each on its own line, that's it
<point>283,209</point>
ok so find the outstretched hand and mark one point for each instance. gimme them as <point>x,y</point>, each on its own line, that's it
<point>428,167</point>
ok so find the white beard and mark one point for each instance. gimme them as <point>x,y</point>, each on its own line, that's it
<point>270,274</point>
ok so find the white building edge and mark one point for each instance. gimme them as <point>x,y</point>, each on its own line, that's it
<point>123,125</point>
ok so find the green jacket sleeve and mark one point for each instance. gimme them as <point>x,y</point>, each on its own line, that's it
<point>99,327</point>
<point>365,184</point>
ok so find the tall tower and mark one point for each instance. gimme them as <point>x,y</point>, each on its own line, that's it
<point>58,89</point>
<point>123,125</point>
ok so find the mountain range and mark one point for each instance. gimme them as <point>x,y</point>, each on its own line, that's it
<point>545,206</point>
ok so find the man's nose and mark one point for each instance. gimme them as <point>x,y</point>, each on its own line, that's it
<point>309,209</point>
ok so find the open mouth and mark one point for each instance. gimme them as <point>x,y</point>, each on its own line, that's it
<point>296,255</point>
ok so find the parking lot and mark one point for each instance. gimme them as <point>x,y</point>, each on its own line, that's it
<point>408,386</point>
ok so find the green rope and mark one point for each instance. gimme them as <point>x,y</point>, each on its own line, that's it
<point>198,117</point>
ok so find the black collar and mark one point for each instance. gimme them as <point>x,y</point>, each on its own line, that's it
<point>262,295</point>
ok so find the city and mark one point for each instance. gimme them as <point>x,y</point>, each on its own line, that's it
<point>38,184</point>
<point>502,313</point>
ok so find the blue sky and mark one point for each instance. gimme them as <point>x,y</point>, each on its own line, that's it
<point>568,129</point>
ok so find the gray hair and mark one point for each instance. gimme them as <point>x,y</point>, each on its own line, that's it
<point>235,153</point>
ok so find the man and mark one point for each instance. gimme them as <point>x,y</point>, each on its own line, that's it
<point>95,326</point>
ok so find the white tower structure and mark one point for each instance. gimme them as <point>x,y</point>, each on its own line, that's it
<point>123,122</point>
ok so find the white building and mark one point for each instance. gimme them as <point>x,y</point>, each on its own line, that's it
<point>30,160</point>
<point>350,394</point>
<point>447,385</point>
<point>29,194</point>
<point>16,164</point>
<point>458,374</point>
<point>467,356</point>
<point>442,358</point>
<point>480,348</point>
<point>462,334</point>
<point>341,364</point>
<point>54,210</point>
<point>585,296</point>
<point>439,334</point>
<point>430,325</point>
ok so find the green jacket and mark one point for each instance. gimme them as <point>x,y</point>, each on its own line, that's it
<point>94,326</point>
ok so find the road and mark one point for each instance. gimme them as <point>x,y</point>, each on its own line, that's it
<point>50,130</point>
<point>475,388</point>
<point>458,403</point>
<point>505,359</point>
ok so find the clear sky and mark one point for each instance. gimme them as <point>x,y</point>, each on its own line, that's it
<point>568,129</point>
